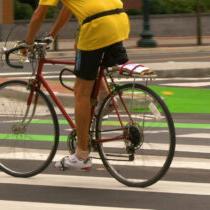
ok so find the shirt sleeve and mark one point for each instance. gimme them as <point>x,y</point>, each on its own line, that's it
<point>48,2</point>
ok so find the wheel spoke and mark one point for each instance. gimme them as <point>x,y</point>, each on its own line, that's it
<point>26,147</point>
<point>146,149</point>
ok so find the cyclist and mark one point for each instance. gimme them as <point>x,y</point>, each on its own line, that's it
<point>103,27</point>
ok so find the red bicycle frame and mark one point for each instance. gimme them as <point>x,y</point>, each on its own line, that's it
<point>40,80</point>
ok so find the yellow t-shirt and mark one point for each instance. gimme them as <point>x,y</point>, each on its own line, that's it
<point>100,32</point>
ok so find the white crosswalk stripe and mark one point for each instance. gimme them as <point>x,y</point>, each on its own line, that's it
<point>17,205</point>
<point>201,136</point>
<point>188,84</point>
<point>179,162</point>
<point>107,183</point>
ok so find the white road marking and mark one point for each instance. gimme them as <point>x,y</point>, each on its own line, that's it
<point>140,160</point>
<point>24,73</point>
<point>187,84</point>
<point>105,183</point>
<point>19,205</point>
<point>195,135</point>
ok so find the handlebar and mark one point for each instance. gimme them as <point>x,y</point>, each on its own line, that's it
<point>7,57</point>
<point>39,47</point>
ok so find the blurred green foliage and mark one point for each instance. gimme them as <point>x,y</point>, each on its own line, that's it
<point>173,6</point>
<point>24,8</point>
<point>178,6</point>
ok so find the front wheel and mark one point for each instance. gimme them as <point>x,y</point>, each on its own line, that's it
<point>136,138</point>
<point>29,130</point>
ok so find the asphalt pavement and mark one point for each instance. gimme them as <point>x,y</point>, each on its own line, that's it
<point>185,186</point>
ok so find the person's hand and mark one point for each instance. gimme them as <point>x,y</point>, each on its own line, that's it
<point>25,48</point>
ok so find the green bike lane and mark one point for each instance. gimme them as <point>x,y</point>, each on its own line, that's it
<point>189,102</point>
<point>185,100</point>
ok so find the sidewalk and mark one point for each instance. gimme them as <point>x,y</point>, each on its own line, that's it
<point>165,44</point>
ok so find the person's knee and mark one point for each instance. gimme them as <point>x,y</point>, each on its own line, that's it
<point>83,88</point>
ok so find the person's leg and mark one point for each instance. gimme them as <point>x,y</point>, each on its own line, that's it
<point>103,90</point>
<point>86,69</point>
<point>83,90</point>
<point>113,55</point>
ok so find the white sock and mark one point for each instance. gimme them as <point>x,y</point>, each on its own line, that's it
<point>82,154</point>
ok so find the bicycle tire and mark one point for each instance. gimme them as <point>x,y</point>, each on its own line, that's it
<point>27,143</point>
<point>149,138</point>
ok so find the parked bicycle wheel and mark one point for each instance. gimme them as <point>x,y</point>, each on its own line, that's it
<point>136,134</point>
<point>29,129</point>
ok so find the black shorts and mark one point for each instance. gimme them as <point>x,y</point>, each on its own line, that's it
<point>88,62</point>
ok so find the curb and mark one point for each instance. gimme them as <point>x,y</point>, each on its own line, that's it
<point>193,72</point>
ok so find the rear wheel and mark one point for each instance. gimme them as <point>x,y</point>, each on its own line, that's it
<point>136,138</point>
<point>29,131</point>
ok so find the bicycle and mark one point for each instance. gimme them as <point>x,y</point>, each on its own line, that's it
<point>135,141</point>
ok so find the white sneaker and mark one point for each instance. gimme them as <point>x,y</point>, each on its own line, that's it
<point>72,161</point>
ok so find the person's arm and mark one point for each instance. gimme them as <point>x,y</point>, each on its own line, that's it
<point>62,18</point>
<point>35,23</point>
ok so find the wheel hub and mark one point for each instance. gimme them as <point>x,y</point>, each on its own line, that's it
<point>134,137</point>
